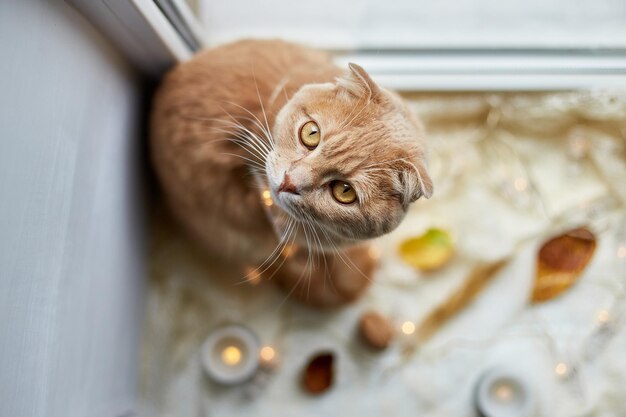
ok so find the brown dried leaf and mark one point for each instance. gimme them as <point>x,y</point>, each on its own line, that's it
<point>560,262</point>
<point>319,373</point>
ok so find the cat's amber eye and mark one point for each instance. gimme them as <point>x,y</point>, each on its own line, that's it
<point>310,135</point>
<point>343,192</point>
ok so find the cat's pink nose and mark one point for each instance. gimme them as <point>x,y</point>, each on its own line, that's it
<point>287,186</point>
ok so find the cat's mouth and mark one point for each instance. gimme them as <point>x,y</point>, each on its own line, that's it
<point>287,202</point>
<point>290,203</point>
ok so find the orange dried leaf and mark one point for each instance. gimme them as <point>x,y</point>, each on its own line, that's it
<point>560,262</point>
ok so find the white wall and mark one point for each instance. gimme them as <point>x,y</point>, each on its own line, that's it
<point>71,236</point>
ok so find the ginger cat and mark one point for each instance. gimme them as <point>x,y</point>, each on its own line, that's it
<point>282,163</point>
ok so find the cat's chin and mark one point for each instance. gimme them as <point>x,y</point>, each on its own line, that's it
<point>325,239</point>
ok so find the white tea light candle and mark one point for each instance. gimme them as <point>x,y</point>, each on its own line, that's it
<point>230,355</point>
<point>502,393</point>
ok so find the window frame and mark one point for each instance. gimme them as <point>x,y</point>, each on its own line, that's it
<point>155,34</point>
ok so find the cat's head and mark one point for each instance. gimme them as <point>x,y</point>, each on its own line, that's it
<point>348,156</point>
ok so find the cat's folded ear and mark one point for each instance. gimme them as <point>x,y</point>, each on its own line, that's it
<point>415,181</point>
<point>358,83</point>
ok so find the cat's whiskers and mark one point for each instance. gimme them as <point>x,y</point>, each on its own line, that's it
<point>236,120</point>
<point>269,142</point>
<point>306,236</point>
<point>244,144</point>
<point>253,163</point>
<point>317,246</point>
<point>241,139</point>
<point>279,87</point>
<point>310,262</point>
<point>318,242</point>
<point>282,244</point>
<point>314,243</point>
<point>258,94</point>
<point>339,253</point>
<point>308,269</point>
<point>333,248</point>
<point>292,241</point>
<point>277,249</point>
<point>259,172</point>
<point>255,120</point>
<point>275,255</point>
<point>242,136</point>
<point>309,265</point>
<point>296,285</point>
<point>247,143</point>
<point>320,249</point>
<point>287,98</point>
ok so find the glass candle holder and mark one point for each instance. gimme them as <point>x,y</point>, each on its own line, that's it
<point>230,355</point>
<point>502,393</point>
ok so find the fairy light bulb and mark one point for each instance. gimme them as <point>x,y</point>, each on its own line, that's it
<point>561,370</point>
<point>408,328</point>
<point>267,353</point>
<point>520,184</point>
<point>289,250</point>
<point>267,198</point>
<point>268,357</point>
<point>253,275</point>
<point>373,253</point>
<point>577,144</point>
<point>603,317</point>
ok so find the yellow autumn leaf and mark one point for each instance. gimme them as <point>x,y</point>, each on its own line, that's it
<point>428,252</point>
